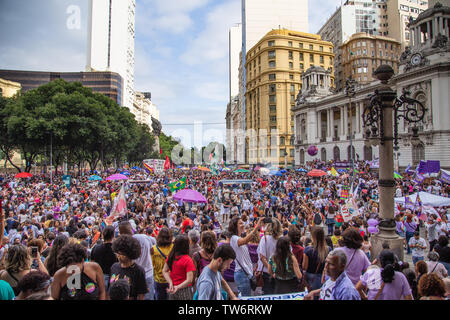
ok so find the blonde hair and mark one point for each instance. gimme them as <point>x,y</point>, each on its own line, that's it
<point>17,259</point>
<point>274,229</point>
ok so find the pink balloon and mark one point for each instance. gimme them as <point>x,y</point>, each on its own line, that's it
<point>373,229</point>
<point>372,222</point>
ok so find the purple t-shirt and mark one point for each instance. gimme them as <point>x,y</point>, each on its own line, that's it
<point>396,290</point>
<point>228,274</point>
<point>410,227</point>
<point>357,263</point>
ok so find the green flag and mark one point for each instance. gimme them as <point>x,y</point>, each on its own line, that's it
<point>177,185</point>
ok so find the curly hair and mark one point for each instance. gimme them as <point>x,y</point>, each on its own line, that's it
<point>72,253</point>
<point>52,260</point>
<point>119,290</point>
<point>208,241</point>
<point>431,285</point>
<point>36,243</point>
<point>164,238</point>
<point>127,246</point>
<point>352,239</point>
<point>34,281</point>
<point>294,234</point>
<point>17,259</point>
<point>422,267</point>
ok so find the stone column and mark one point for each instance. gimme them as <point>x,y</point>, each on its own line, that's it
<point>346,120</point>
<point>358,117</point>
<point>386,182</point>
<point>331,122</point>
<point>429,30</point>
<point>341,110</point>
<point>328,123</point>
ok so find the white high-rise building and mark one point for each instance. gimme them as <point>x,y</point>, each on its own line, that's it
<point>234,51</point>
<point>111,41</point>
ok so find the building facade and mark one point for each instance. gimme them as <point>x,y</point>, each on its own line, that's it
<point>107,83</point>
<point>144,109</point>
<point>110,47</point>
<point>329,122</point>
<point>274,67</point>
<point>9,88</point>
<point>377,18</point>
<point>363,53</point>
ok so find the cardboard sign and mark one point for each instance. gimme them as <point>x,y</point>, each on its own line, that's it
<point>156,164</point>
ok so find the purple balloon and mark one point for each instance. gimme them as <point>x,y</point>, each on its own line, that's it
<point>373,229</point>
<point>372,222</point>
<point>312,151</point>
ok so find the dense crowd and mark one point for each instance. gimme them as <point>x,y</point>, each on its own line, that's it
<point>279,234</point>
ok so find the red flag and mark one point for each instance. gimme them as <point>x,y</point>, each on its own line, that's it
<point>160,151</point>
<point>172,165</point>
<point>167,163</point>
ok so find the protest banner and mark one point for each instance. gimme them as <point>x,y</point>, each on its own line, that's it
<point>287,296</point>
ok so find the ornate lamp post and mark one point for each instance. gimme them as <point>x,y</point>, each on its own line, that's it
<point>350,91</point>
<point>381,119</point>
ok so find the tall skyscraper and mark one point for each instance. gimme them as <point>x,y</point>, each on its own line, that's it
<point>111,41</point>
<point>260,17</point>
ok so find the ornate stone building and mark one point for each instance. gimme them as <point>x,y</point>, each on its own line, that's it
<point>329,120</point>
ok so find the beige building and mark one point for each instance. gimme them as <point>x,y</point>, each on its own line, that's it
<point>274,67</point>
<point>144,109</point>
<point>363,53</point>
<point>9,88</point>
<point>399,13</point>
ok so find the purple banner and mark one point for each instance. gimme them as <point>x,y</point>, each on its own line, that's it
<point>341,164</point>
<point>433,166</point>
<point>445,177</point>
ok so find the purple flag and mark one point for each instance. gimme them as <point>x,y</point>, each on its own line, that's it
<point>409,204</point>
<point>445,177</point>
<point>433,166</point>
<point>422,167</point>
<point>419,178</point>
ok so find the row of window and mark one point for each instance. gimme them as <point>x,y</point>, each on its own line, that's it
<point>271,43</point>
<point>273,153</point>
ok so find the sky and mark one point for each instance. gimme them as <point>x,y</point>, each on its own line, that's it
<point>181,52</point>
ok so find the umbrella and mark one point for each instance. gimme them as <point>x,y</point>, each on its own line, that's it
<point>189,195</point>
<point>95,178</point>
<point>23,175</point>
<point>317,173</point>
<point>117,176</point>
<point>283,171</point>
<point>302,170</point>
<point>125,173</point>
<point>341,170</point>
<point>204,169</point>
<point>242,171</point>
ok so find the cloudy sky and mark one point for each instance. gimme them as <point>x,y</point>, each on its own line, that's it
<point>181,52</point>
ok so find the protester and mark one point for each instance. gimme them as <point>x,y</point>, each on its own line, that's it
<point>51,262</point>
<point>104,255</point>
<point>443,250</point>
<point>159,254</point>
<point>179,270</point>
<point>434,266</point>
<point>72,259</point>
<point>339,285</point>
<point>314,258</point>
<point>32,283</point>
<point>210,284</point>
<point>128,249</point>
<point>431,287</point>
<point>202,258</point>
<point>357,261</point>
<point>119,290</point>
<point>418,246</point>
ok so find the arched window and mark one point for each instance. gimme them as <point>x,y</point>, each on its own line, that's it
<point>367,153</point>
<point>323,154</point>
<point>336,154</point>
<point>418,153</point>
<point>302,156</point>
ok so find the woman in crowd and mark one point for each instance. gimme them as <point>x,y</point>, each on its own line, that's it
<point>244,266</point>
<point>357,261</point>
<point>314,258</point>
<point>421,269</point>
<point>443,250</point>
<point>18,263</point>
<point>32,283</point>
<point>431,287</point>
<point>384,283</point>
<point>179,270</point>
<point>72,259</point>
<point>266,249</point>
<point>434,266</point>
<point>202,258</point>
<point>410,228</point>
<point>284,268</point>
<point>159,254</point>
<point>52,260</point>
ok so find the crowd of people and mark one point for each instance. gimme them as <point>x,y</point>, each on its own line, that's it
<point>279,234</point>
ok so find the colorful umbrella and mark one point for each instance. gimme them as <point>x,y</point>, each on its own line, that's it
<point>23,175</point>
<point>189,195</point>
<point>95,178</point>
<point>204,169</point>
<point>125,173</point>
<point>117,176</point>
<point>301,170</point>
<point>317,173</point>
<point>242,171</point>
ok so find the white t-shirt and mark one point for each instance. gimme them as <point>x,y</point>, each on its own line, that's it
<point>266,247</point>
<point>327,288</point>
<point>242,255</point>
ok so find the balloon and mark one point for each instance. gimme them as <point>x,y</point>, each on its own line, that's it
<point>373,229</point>
<point>312,151</point>
<point>372,222</point>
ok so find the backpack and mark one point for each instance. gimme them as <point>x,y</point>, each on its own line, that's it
<point>317,219</point>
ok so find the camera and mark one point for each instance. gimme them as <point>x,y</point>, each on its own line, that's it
<point>34,252</point>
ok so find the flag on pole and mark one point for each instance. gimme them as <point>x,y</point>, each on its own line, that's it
<point>334,172</point>
<point>160,151</point>
<point>397,175</point>
<point>181,184</point>
<point>408,203</point>
<point>120,204</point>
<point>167,164</point>
<point>344,193</point>
<point>147,168</point>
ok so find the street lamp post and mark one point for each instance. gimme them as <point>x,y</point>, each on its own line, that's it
<point>350,92</point>
<point>381,118</point>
